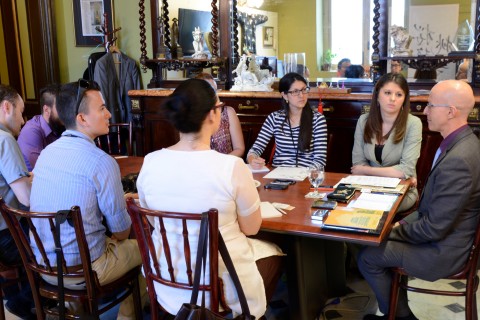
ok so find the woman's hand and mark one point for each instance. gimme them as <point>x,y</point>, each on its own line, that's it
<point>359,169</point>
<point>413,182</point>
<point>256,162</point>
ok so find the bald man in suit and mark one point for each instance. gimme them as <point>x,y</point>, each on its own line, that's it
<point>434,242</point>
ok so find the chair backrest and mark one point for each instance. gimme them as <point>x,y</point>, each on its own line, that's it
<point>118,141</point>
<point>25,247</point>
<point>143,232</point>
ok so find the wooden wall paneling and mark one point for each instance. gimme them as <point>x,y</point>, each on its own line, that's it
<point>42,43</point>
<point>12,47</point>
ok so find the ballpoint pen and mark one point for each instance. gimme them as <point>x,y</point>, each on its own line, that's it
<point>281,211</point>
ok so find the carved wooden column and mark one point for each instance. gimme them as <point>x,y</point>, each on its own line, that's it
<point>476,61</point>
<point>380,38</point>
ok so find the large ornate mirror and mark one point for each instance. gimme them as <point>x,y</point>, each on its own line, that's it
<point>442,38</point>
<point>323,27</point>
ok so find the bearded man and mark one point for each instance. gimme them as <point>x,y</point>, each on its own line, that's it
<point>42,129</point>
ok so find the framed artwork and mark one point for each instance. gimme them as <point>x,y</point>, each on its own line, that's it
<point>267,37</point>
<point>88,17</point>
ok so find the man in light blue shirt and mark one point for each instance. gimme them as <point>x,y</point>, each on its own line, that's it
<point>73,171</point>
<point>15,190</point>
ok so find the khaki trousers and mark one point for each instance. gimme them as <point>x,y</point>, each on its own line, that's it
<point>119,257</point>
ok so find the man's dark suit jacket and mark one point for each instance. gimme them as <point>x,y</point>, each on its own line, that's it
<point>115,89</point>
<point>448,212</point>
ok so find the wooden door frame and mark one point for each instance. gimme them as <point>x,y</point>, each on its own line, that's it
<point>43,47</point>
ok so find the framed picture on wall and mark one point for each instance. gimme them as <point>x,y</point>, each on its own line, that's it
<point>88,17</point>
<point>267,37</point>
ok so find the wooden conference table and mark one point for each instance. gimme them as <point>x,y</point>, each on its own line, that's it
<point>315,267</point>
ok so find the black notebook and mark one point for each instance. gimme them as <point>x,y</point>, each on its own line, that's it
<point>342,193</point>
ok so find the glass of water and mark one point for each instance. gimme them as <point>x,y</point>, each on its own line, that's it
<point>316,174</point>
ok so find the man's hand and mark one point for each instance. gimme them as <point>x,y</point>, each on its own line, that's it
<point>130,195</point>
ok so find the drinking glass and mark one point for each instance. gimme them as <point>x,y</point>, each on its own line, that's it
<point>316,175</point>
<point>295,62</point>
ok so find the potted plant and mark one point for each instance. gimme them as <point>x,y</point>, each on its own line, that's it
<point>328,55</point>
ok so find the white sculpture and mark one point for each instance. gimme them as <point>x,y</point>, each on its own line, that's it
<point>198,44</point>
<point>251,78</point>
<point>401,40</point>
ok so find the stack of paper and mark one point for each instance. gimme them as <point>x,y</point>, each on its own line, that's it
<point>373,201</point>
<point>371,181</point>
<point>262,169</point>
<point>269,211</point>
<point>288,173</point>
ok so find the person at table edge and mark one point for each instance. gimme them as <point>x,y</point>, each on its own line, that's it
<point>300,132</point>
<point>435,241</point>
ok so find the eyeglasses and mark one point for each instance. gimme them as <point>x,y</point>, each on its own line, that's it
<point>83,86</point>
<point>296,93</point>
<point>430,105</point>
<point>220,105</point>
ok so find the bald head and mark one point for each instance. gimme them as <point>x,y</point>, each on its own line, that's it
<point>449,105</point>
<point>454,93</point>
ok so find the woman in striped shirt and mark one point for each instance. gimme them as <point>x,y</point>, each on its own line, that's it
<point>300,132</point>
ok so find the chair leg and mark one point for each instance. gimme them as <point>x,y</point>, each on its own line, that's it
<point>392,309</point>
<point>137,300</point>
<point>2,308</point>
<point>470,301</point>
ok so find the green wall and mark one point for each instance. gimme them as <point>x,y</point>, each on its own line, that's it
<point>296,30</point>
<point>73,60</point>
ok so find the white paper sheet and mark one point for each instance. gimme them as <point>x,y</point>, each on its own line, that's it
<point>288,173</point>
<point>263,169</point>
<point>269,211</point>
<point>374,201</point>
<point>371,181</point>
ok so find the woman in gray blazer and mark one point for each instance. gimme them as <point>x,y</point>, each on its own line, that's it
<point>388,138</point>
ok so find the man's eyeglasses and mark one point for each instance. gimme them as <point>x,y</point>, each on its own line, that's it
<point>296,93</point>
<point>83,86</point>
<point>430,105</point>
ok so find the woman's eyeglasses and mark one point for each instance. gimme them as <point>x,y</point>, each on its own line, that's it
<point>83,86</point>
<point>297,92</point>
<point>220,105</point>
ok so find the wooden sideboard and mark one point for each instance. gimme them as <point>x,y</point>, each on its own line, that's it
<point>152,131</point>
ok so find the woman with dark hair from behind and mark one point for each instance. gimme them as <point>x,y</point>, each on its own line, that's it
<point>229,137</point>
<point>190,177</point>
<point>388,138</point>
<point>300,132</point>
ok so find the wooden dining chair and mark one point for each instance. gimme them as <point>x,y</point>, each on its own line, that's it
<point>467,273</point>
<point>151,265</point>
<point>115,142</point>
<point>90,297</point>
<point>15,281</point>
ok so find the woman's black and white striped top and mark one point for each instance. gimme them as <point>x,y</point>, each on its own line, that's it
<point>286,147</point>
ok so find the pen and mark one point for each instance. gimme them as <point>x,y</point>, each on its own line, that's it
<point>327,187</point>
<point>386,193</point>
<point>281,211</point>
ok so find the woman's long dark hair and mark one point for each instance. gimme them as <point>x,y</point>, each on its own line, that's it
<point>306,119</point>
<point>187,107</point>
<point>373,126</point>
